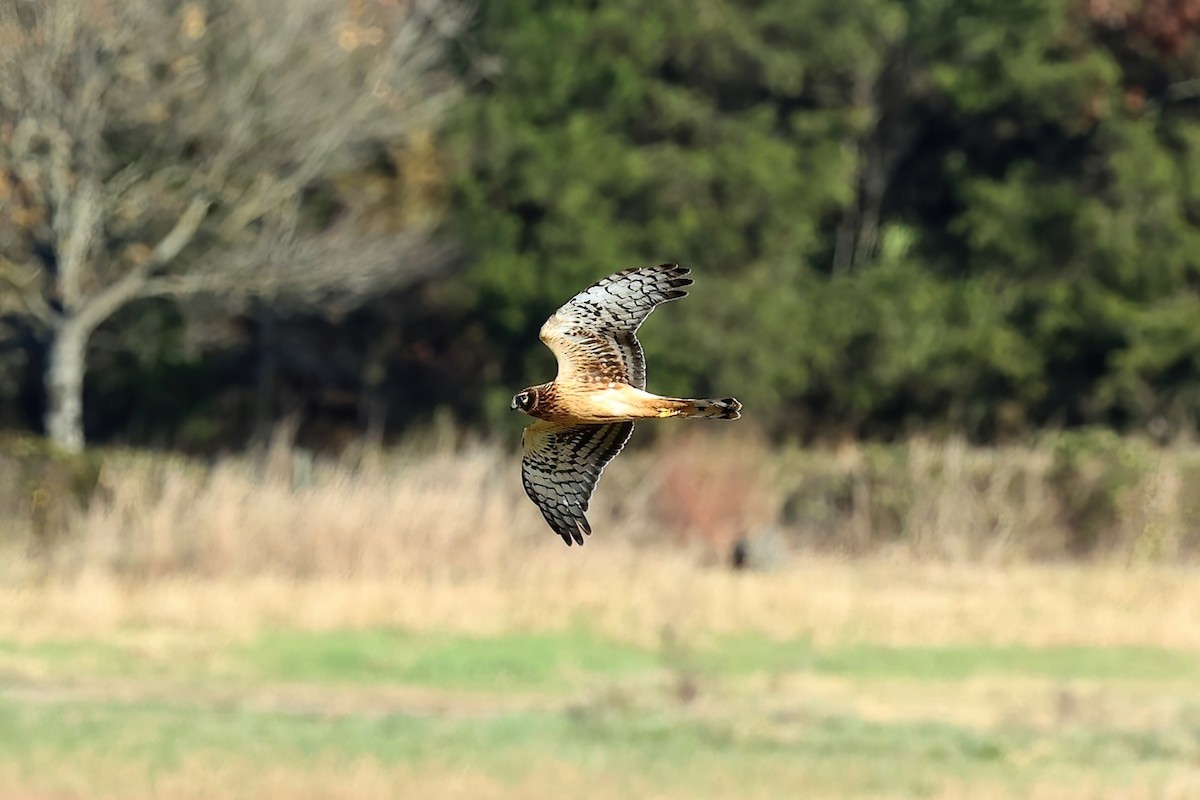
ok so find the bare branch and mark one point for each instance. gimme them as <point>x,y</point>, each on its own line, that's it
<point>183,232</point>
<point>1184,89</point>
<point>25,281</point>
<point>300,269</point>
<point>109,300</point>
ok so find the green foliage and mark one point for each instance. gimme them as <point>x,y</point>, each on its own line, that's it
<point>1036,244</point>
<point>713,135</point>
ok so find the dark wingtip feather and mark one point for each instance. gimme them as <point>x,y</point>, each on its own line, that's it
<point>573,534</point>
<point>677,278</point>
<point>673,269</point>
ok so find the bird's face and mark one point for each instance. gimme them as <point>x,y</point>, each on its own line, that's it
<point>525,401</point>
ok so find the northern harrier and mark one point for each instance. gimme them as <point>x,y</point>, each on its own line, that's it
<point>586,414</point>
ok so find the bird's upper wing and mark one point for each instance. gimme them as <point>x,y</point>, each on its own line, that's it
<point>560,466</point>
<point>592,336</point>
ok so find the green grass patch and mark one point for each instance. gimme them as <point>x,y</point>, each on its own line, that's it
<point>528,661</point>
<point>555,661</point>
<point>701,750</point>
<point>535,661</point>
<point>78,656</point>
<point>742,654</point>
<point>901,758</point>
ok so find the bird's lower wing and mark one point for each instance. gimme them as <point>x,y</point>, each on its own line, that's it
<point>560,466</point>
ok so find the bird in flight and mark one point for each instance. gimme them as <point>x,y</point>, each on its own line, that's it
<point>585,415</point>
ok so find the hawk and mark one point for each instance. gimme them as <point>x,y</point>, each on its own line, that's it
<point>585,415</point>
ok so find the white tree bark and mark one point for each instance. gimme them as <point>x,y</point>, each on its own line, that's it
<point>64,386</point>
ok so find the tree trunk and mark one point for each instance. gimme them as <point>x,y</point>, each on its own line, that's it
<point>64,385</point>
<point>266,375</point>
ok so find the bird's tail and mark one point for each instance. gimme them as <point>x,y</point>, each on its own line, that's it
<point>725,408</point>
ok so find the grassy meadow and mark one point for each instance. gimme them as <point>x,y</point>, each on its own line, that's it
<point>401,625</point>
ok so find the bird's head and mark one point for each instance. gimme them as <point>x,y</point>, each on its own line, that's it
<point>525,401</point>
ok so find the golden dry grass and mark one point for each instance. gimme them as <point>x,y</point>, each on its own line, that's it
<point>364,779</point>
<point>427,508</point>
<point>638,597</point>
<point>367,779</point>
<point>441,538</point>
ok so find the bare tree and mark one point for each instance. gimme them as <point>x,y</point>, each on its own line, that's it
<point>152,148</point>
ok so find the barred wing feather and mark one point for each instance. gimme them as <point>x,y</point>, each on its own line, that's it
<point>560,466</point>
<point>593,334</point>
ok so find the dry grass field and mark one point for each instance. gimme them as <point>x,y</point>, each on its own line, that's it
<point>402,625</point>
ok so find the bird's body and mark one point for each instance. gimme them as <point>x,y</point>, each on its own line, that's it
<point>613,401</point>
<point>585,415</point>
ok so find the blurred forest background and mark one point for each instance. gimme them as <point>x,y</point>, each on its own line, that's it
<point>271,271</point>
<point>905,216</point>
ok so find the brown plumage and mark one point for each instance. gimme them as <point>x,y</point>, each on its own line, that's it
<point>585,415</point>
